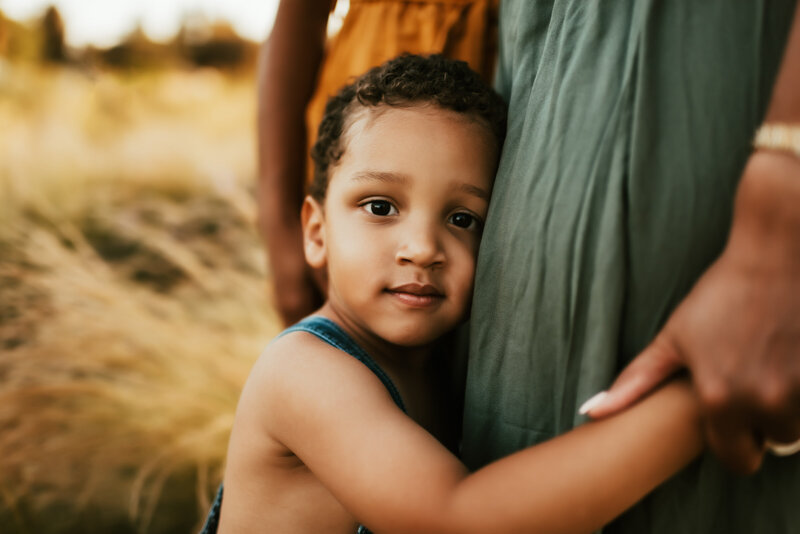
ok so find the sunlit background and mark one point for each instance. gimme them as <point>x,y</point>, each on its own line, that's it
<point>133,288</point>
<point>104,23</point>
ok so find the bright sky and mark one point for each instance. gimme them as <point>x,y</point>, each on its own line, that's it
<point>104,22</point>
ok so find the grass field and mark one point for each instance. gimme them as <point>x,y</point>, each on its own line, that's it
<point>133,294</point>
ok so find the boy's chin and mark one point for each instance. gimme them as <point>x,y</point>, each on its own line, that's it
<point>420,336</point>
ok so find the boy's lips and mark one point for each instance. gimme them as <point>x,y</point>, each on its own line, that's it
<point>416,295</point>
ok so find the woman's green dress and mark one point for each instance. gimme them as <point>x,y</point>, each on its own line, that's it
<point>629,124</point>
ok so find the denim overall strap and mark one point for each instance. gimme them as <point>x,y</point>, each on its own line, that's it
<point>212,519</point>
<point>331,333</point>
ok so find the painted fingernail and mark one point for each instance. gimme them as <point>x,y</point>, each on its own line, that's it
<point>592,403</point>
<point>783,449</point>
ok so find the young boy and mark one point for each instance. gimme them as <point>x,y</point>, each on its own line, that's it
<point>344,421</point>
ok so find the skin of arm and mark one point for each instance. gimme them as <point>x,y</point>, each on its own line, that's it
<point>745,364</point>
<point>395,477</point>
<point>287,73</point>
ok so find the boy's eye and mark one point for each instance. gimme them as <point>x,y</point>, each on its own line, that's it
<point>381,208</point>
<point>464,220</point>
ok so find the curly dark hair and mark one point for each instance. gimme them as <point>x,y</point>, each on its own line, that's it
<point>405,81</point>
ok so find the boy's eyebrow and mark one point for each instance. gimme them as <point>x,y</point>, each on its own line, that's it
<point>475,191</point>
<point>380,176</point>
<point>399,178</point>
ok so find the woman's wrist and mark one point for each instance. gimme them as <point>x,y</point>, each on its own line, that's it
<point>766,225</point>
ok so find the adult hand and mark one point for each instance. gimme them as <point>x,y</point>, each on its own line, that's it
<point>297,288</point>
<point>296,295</point>
<point>738,330</point>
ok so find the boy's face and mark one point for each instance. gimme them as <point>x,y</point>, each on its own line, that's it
<point>401,223</point>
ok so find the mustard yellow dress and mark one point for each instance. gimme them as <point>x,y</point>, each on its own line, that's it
<point>375,31</point>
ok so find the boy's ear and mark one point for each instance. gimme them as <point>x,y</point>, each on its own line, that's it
<point>313,219</point>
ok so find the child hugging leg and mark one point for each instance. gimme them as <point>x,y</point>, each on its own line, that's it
<point>342,424</point>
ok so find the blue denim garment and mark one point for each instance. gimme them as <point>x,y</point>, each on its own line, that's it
<point>331,333</point>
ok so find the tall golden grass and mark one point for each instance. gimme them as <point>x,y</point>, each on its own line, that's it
<point>133,298</point>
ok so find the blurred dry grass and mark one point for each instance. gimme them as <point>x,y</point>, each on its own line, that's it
<point>132,294</point>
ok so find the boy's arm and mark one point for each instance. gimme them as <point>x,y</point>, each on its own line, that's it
<point>287,72</point>
<point>393,476</point>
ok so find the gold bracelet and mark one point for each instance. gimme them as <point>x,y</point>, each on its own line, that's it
<point>778,136</point>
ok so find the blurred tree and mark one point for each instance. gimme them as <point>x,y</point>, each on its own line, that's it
<point>53,49</point>
<point>206,44</point>
<point>136,51</point>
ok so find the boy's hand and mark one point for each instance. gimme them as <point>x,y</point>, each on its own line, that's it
<point>738,330</point>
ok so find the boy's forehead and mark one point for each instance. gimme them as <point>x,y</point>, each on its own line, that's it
<point>399,145</point>
<point>386,118</point>
<point>370,116</point>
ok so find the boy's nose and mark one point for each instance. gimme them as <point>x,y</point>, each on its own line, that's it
<point>420,247</point>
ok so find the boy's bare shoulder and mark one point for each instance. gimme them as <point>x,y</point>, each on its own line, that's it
<point>298,358</point>
<point>300,374</point>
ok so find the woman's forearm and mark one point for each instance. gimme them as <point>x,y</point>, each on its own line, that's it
<point>768,196</point>
<point>288,68</point>
<point>767,215</point>
<point>785,103</point>
<point>287,74</point>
